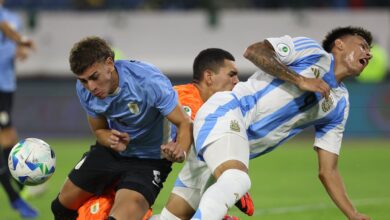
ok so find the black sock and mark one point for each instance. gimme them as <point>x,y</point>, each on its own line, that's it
<point>60,212</point>
<point>7,151</point>
<point>5,179</point>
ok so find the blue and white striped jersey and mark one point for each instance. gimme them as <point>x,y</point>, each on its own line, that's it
<point>138,107</point>
<point>269,111</point>
<point>7,52</point>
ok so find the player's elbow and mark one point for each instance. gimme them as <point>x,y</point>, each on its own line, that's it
<point>256,50</point>
<point>250,51</point>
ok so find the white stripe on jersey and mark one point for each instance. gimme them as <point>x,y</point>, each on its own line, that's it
<point>272,111</point>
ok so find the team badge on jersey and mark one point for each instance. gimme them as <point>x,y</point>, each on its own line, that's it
<point>94,208</point>
<point>283,49</point>
<point>133,107</point>
<point>188,110</point>
<point>327,104</point>
<point>234,126</point>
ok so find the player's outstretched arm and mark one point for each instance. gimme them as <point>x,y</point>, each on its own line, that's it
<point>177,151</point>
<point>15,36</point>
<point>263,55</point>
<point>333,183</point>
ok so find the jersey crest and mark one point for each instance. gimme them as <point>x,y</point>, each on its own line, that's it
<point>327,104</point>
<point>234,126</point>
<point>133,107</point>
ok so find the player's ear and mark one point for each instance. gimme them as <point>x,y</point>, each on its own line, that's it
<point>339,44</point>
<point>110,63</point>
<point>208,77</point>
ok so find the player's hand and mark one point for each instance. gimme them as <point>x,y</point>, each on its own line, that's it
<point>22,52</point>
<point>245,204</point>
<point>359,216</point>
<point>314,85</point>
<point>118,141</point>
<point>173,152</point>
<point>25,42</point>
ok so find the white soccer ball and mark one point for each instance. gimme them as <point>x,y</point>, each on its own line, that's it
<point>32,161</point>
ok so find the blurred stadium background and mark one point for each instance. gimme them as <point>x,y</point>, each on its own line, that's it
<point>169,34</point>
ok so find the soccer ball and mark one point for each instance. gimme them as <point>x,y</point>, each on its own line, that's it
<point>32,161</point>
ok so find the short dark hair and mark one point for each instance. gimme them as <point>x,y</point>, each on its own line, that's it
<point>211,58</point>
<point>88,51</point>
<point>339,32</point>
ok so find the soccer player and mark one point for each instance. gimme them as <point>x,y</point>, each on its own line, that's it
<point>214,70</point>
<point>126,102</point>
<point>271,107</point>
<point>13,46</point>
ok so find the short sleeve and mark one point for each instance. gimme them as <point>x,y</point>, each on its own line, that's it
<point>284,48</point>
<point>162,94</point>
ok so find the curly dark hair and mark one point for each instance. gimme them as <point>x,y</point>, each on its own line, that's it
<point>211,58</point>
<point>339,32</point>
<point>88,51</point>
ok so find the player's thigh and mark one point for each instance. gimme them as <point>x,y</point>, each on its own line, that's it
<point>72,196</point>
<point>97,169</point>
<point>228,152</point>
<point>8,136</point>
<point>6,101</point>
<point>129,204</point>
<point>7,132</point>
<point>183,201</point>
<point>145,176</point>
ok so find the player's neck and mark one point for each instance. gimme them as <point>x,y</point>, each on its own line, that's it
<point>341,72</point>
<point>203,91</point>
<point>115,82</point>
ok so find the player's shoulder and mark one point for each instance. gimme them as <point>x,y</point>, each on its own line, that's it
<point>140,71</point>
<point>188,88</point>
<point>187,92</point>
<point>189,98</point>
<point>136,65</point>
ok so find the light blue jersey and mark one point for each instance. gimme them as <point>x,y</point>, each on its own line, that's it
<point>267,111</point>
<point>144,97</point>
<point>7,52</point>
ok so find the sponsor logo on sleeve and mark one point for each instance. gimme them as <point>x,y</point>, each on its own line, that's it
<point>283,49</point>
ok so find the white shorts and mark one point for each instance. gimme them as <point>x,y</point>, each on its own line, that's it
<point>193,179</point>
<point>220,116</point>
<point>229,147</point>
<point>196,176</point>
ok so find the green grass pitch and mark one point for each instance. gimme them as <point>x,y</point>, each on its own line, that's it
<point>284,182</point>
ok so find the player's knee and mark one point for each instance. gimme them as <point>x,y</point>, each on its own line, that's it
<point>60,212</point>
<point>238,179</point>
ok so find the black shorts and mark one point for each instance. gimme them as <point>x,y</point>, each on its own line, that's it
<point>100,167</point>
<point>6,99</point>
